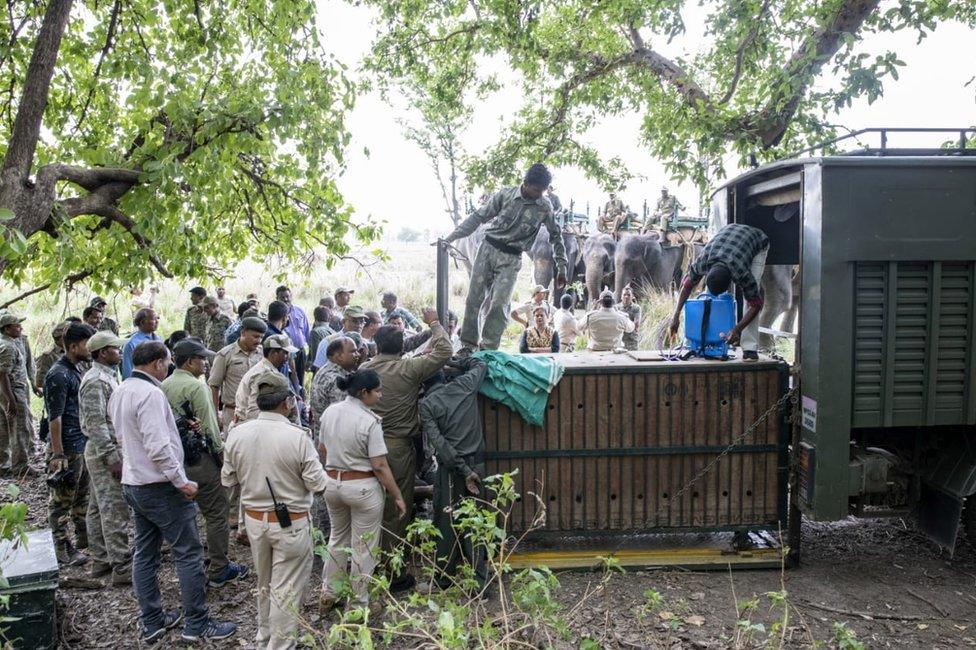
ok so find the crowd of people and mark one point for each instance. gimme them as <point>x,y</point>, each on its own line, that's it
<point>237,421</point>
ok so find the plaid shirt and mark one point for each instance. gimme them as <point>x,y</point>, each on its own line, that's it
<point>734,246</point>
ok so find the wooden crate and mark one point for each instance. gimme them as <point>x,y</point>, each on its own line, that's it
<point>622,437</point>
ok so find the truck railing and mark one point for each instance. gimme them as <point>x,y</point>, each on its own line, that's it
<point>962,144</point>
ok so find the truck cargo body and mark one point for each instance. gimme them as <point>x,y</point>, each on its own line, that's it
<point>886,248</point>
<point>624,440</point>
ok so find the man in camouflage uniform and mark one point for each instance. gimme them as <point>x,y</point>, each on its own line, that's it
<point>343,358</point>
<point>634,313</point>
<point>217,323</point>
<point>44,363</point>
<point>68,494</point>
<point>108,514</point>
<point>277,350</point>
<point>195,322</point>
<point>107,324</point>
<point>516,214</point>
<point>16,430</point>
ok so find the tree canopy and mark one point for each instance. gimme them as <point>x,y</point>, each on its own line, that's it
<point>171,137</point>
<point>747,88</point>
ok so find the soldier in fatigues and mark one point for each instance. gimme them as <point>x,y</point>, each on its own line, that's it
<point>664,213</point>
<point>44,363</point>
<point>16,430</point>
<point>634,313</point>
<point>516,214</point>
<point>195,321</point>
<point>108,514</point>
<point>452,432</point>
<point>106,324</point>
<point>217,324</point>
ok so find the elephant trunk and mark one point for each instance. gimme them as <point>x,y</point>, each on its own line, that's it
<point>594,276</point>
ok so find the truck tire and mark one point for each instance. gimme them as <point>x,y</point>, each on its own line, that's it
<point>969,519</point>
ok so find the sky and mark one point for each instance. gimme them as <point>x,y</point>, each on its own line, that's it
<point>395,182</point>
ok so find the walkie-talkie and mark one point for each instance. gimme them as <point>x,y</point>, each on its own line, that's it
<point>281,510</point>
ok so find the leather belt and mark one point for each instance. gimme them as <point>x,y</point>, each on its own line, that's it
<point>505,248</point>
<point>348,474</point>
<point>272,517</point>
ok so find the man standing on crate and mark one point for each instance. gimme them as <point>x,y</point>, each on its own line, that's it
<point>516,214</point>
<point>737,253</point>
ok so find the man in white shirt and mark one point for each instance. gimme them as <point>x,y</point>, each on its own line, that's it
<point>605,325</point>
<point>565,323</point>
<point>157,490</point>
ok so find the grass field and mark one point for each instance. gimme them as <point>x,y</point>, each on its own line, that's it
<point>407,269</point>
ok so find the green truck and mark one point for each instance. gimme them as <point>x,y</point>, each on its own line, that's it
<point>885,243</point>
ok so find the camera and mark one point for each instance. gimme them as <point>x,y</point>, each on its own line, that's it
<point>62,478</point>
<point>194,443</point>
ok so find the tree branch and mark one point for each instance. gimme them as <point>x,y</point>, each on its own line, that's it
<point>69,281</point>
<point>741,52</point>
<point>771,122</point>
<point>109,38</point>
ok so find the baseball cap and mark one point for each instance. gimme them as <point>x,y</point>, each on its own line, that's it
<point>606,292</point>
<point>279,342</point>
<point>192,348</point>
<point>104,339</point>
<point>10,318</point>
<point>539,288</point>
<point>198,291</point>
<point>97,301</point>
<point>255,324</point>
<point>273,383</point>
<point>344,290</point>
<point>60,329</point>
<point>355,311</point>
<point>210,301</point>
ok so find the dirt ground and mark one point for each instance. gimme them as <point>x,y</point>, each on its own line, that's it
<point>882,578</point>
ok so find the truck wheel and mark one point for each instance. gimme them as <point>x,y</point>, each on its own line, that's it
<point>969,519</point>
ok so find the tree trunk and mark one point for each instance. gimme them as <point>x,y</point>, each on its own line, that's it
<point>15,193</point>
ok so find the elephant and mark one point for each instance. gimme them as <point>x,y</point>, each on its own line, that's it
<point>598,253</point>
<point>467,247</point>
<point>541,256</point>
<point>641,260</point>
<point>780,294</point>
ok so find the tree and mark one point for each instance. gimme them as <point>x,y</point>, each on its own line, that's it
<point>408,235</point>
<point>171,138</point>
<point>748,88</point>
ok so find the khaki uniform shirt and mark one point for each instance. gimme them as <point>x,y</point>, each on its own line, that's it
<point>229,367</point>
<point>401,379</point>
<point>351,435</point>
<point>606,327</point>
<point>181,387</point>
<point>270,447</point>
<point>526,310</point>
<point>216,328</point>
<point>246,398</point>
<point>96,387</point>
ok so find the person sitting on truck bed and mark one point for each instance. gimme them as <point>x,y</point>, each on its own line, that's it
<point>737,253</point>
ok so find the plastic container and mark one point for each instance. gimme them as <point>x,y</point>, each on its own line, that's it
<point>707,318</point>
<point>31,572</point>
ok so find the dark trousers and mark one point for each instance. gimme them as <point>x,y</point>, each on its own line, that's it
<point>69,502</point>
<point>160,511</point>
<point>212,500</point>
<point>449,490</point>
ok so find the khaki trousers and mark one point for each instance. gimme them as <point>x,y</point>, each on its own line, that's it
<point>282,564</point>
<point>402,457</point>
<point>233,493</point>
<point>356,515</point>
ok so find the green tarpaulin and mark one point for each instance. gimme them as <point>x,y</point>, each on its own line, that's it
<point>521,382</point>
